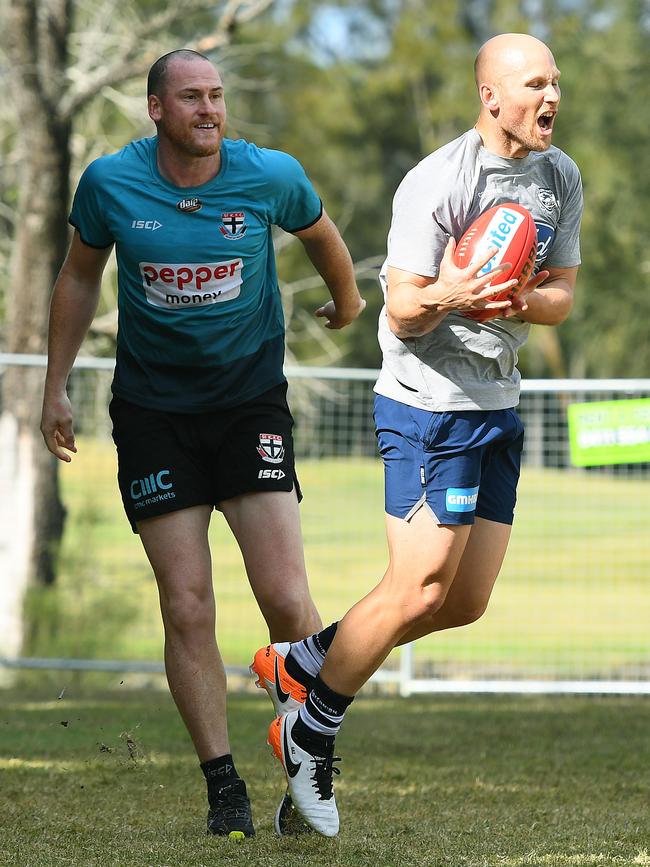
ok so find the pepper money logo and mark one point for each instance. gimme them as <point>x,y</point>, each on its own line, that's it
<point>190,284</point>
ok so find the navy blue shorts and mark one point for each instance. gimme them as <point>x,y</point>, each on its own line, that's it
<point>458,464</point>
<point>169,461</point>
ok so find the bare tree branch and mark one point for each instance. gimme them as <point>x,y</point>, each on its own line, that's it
<point>134,61</point>
<point>227,21</point>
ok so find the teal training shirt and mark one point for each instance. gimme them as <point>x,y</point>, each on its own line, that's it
<point>200,316</point>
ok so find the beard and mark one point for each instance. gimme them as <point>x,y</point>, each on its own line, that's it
<point>522,135</point>
<point>185,139</point>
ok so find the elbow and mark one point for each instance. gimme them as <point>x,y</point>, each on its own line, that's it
<point>403,328</point>
<point>561,313</point>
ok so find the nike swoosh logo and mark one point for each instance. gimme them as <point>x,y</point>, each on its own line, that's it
<point>282,695</point>
<point>291,767</point>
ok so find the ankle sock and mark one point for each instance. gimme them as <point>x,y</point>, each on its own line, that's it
<point>305,658</point>
<point>219,772</point>
<point>320,717</point>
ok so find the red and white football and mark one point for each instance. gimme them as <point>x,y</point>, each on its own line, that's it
<point>510,229</point>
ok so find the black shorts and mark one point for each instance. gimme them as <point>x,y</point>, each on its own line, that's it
<point>169,461</point>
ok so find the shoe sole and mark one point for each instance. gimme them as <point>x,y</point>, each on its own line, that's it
<point>298,825</point>
<point>273,740</point>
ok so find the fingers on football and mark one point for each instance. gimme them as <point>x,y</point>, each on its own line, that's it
<point>476,265</point>
<point>489,291</point>
<point>449,249</point>
<point>537,279</point>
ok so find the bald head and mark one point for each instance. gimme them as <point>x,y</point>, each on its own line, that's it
<point>518,85</point>
<point>506,54</point>
<point>159,72</point>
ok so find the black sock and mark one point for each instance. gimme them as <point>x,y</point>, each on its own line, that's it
<point>305,658</point>
<point>320,718</point>
<point>323,639</point>
<point>219,772</point>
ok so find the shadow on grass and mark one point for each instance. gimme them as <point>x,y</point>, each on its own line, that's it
<point>110,778</point>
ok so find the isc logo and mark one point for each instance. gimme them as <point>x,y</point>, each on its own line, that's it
<point>271,474</point>
<point>152,225</point>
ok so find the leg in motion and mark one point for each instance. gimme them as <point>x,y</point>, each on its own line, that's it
<point>177,547</point>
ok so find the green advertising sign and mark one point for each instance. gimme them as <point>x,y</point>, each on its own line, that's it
<point>609,432</point>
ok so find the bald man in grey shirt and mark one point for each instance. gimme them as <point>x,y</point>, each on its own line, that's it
<point>461,365</point>
<point>444,409</point>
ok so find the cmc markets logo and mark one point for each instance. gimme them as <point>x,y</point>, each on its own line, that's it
<point>152,488</point>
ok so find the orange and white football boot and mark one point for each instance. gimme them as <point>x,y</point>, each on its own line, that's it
<point>309,777</point>
<point>268,667</point>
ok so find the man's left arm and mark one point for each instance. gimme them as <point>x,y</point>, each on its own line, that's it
<point>550,302</point>
<point>331,258</point>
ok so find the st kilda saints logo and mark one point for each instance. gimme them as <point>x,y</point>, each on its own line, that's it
<point>270,448</point>
<point>233,225</point>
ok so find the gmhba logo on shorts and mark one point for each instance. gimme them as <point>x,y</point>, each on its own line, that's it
<point>191,284</point>
<point>270,448</point>
<point>461,499</point>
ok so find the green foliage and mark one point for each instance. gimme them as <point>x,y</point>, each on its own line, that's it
<point>447,782</point>
<point>604,126</point>
<point>80,616</point>
<point>360,122</point>
<point>360,92</point>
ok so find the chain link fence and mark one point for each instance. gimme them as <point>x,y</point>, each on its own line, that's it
<point>570,610</point>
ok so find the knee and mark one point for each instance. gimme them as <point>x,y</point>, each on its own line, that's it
<point>462,614</point>
<point>290,614</point>
<point>421,602</point>
<point>188,611</point>
<point>431,599</point>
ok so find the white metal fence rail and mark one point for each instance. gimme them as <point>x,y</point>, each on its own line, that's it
<point>569,613</point>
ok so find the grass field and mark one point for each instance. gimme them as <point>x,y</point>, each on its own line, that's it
<point>459,782</point>
<point>572,599</point>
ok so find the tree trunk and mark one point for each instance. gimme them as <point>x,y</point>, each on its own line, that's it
<point>31,509</point>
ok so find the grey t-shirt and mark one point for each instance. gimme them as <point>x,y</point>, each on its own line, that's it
<point>463,364</point>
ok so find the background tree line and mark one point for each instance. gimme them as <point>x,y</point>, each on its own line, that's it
<point>359,92</point>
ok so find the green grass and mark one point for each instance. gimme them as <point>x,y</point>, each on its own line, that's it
<point>571,600</point>
<point>460,782</point>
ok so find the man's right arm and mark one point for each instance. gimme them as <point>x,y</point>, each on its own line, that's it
<point>74,301</point>
<point>416,305</point>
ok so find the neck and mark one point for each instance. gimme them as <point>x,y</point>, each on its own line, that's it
<point>185,170</point>
<point>497,142</point>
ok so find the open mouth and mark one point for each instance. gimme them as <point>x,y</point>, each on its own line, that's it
<point>545,121</point>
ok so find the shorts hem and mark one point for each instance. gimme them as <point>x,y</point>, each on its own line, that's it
<point>167,511</point>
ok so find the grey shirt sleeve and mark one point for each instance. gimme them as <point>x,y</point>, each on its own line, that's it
<point>565,252</point>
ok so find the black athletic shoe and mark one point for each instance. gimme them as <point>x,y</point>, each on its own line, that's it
<point>288,821</point>
<point>230,812</point>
